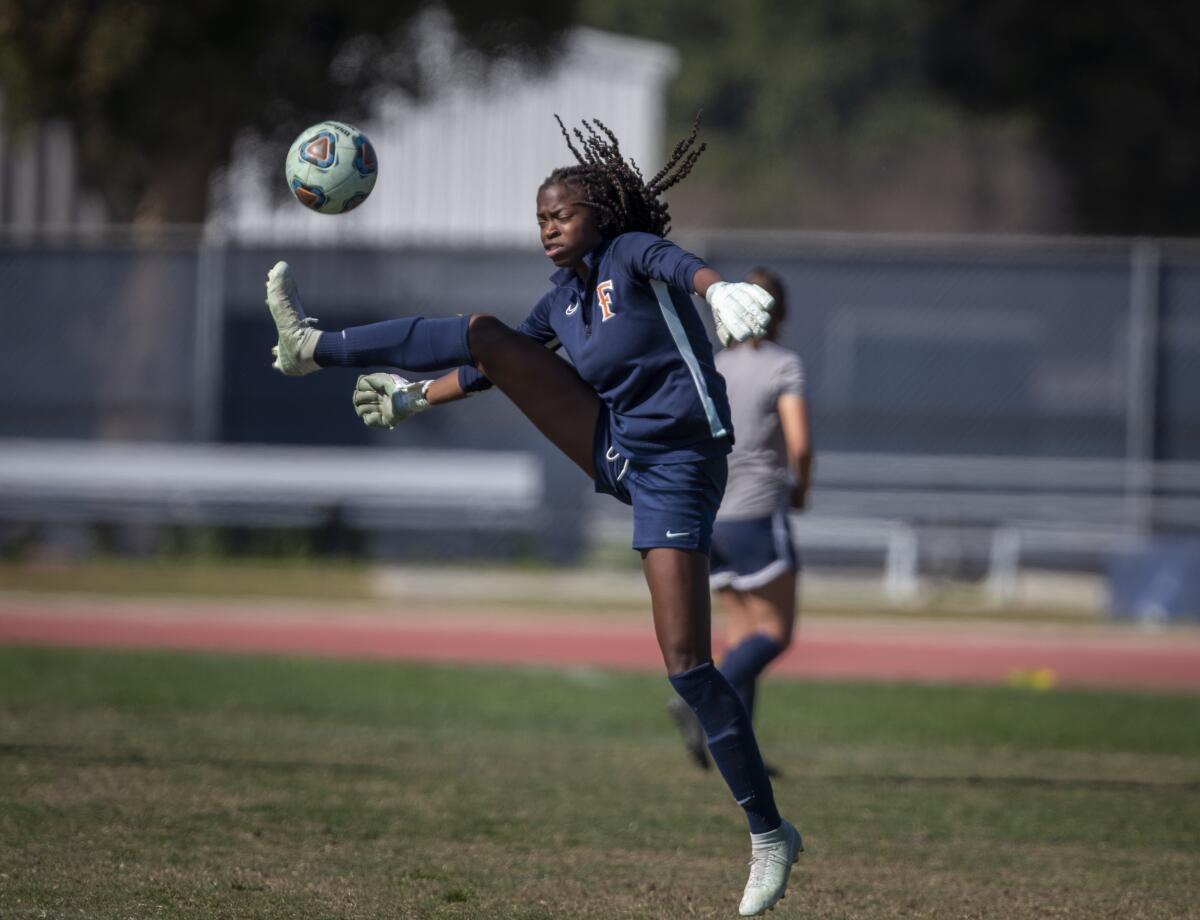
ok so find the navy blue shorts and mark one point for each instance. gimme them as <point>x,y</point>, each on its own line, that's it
<point>752,552</point>
<point>674,504</point>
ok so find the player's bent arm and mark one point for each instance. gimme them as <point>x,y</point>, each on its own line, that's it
<point>384,400</point>
<point>793,420</point>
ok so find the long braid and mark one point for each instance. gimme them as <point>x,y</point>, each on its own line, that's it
<point>614,187</point>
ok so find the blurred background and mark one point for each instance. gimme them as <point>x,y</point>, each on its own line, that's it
<point>983,214</point>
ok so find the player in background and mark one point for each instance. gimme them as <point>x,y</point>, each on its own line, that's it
<point>643,412</point>
<point>753,562</point>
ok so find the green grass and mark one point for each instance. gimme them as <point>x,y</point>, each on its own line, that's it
<point>189,786</point>
<point>301,577</point>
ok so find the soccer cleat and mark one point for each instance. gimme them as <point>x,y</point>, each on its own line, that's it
<point>771,858</point>
<point>297,337</point>
<point>690,731</point>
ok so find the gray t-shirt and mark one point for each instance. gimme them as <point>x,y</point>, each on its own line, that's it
<point>755,378</point>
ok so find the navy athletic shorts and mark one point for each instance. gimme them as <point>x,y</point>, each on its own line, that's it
<point>674,504</point>
<point>749,553</point>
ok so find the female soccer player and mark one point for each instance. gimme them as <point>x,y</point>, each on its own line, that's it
<point>643,412</point>
<point>753,561</point>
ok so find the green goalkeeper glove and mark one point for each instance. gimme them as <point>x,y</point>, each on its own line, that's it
<point>386,400</point>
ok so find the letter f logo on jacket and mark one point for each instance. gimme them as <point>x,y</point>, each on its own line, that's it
<point>604,296</point>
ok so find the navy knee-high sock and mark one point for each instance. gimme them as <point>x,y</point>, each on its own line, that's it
<point>742,664</point>
<point>416,344</point>
<point>731,742</point>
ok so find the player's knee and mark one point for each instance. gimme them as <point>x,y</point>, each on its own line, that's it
<point>484,333</point>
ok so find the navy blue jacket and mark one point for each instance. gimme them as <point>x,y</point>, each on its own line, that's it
<point>633,334</point>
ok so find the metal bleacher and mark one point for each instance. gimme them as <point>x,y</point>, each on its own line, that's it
<point>983,515</point>
<point>86,481</point>
<point>996,514</point>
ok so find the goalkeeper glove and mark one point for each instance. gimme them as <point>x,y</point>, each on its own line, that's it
<point>741,310</point>
<point>386,400</point>
<point>723,335</point>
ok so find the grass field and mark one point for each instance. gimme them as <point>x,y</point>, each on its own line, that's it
<point>190,786</point>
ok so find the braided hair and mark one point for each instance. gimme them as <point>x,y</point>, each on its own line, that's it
<point>620,197</point>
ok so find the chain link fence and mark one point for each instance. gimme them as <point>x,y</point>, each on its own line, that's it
<point>987,348</point>
<point>1014,348</point>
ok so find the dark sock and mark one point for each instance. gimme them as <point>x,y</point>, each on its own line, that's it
<point>745,661</point>
<point>731,742</point>
<point>414,344</point>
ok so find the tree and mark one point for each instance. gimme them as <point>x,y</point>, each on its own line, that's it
<point>157,92</point>
<point>878,114</point>
<point>822,114</point>
<point>1113,86</point>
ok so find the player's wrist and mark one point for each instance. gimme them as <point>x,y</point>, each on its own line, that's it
<point>409,397</point>
<point>704,279</point>
<point>421,396</point>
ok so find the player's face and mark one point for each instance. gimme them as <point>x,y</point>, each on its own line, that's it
<point>567,228</point>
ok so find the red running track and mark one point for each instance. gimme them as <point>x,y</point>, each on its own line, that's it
<point>827,648</point>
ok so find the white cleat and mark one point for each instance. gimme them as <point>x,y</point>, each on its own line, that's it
<point>771,860</point>
<point>297,337</point>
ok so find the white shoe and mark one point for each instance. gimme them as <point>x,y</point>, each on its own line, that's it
<point>771,859</point>
<point>297,337</point>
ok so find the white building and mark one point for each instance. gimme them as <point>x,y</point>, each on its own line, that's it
<point>463,165</point>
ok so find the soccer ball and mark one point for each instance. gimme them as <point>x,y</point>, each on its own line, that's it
<point>331,167</point>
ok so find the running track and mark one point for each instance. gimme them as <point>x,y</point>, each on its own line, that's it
<point>827,648</point>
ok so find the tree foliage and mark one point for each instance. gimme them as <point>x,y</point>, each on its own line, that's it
<point>812,109</point>
<point>158,91</point>
<point>1113,86</point>
<point>813,112</point>
<point>850,113</point>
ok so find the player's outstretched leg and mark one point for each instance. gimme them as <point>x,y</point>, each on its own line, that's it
<point>415,343</point>
<point>545,388</point>
<point>297,337</point>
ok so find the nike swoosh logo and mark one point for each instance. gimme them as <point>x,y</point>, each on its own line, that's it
<point>682,533</point>
<point>571,310</point>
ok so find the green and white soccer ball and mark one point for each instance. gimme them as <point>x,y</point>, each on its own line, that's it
<point>331,167</point>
